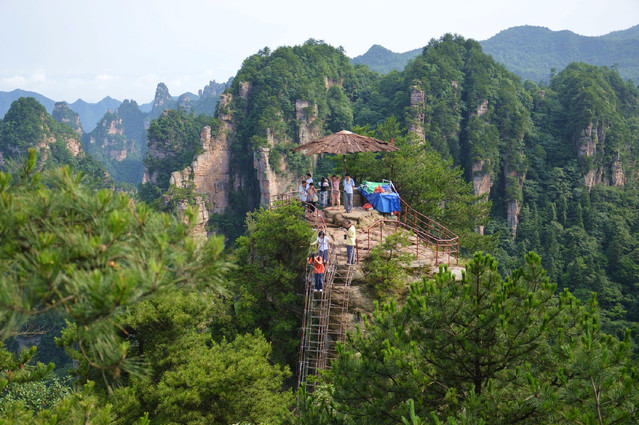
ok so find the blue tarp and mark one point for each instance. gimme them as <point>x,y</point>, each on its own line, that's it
<point>385,202</point>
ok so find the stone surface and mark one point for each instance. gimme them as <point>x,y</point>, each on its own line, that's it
<point>198,232</point>
<point>162,100</point>
<point>417,105</point>
<point>482,183</point>
<point>62,113</point>
<point>210,172</point>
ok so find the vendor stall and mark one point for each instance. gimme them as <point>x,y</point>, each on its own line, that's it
<point>381,196</point>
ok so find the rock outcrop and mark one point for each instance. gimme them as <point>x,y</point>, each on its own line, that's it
<point>210,173</point>
<point>162,100</point>
<point>198,232</point>
<point>417,105</point>
<point>184,103</point>
<point>62,113</point>
<point>482,183</point>
<point>118,141</point>
<point>591,150</point>
<point>28,117</point>
<point>273,182</point>
<point>213,89</point>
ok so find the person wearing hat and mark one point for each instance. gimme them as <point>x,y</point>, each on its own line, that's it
<point>351,236</point>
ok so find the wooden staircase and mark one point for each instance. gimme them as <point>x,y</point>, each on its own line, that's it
<point>323,323</point>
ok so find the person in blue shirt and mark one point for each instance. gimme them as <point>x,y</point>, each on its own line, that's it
<point>349,184</point>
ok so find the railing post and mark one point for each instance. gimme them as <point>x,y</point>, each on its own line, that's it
<point>437,254</point>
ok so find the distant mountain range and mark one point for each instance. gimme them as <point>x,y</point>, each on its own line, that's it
<point>532,52</point>
<point>90,113</point>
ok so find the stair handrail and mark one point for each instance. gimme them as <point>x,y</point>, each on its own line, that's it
<point>446,247</point>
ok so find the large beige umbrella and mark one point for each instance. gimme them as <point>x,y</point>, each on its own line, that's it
<point>344,142</point>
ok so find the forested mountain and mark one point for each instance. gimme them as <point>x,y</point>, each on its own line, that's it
<point>7,98</point>
<point>533,52</point>
<point>514,143</point>
<point>27,125</point>
<point>119,142</point>
<point>382,60</point>
<point>174,329</point>
<point>119,139</point>
<point>90,113</point>
<point>543,154</point>
<point>62,113</point>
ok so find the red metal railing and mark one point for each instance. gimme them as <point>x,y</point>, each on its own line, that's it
<point>314,216</point>
<point>427,233</point>
<point>283,198</point>
<point>424,233</point>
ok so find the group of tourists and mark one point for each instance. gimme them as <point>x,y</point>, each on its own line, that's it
<point>314,196</point>
<point>320,259</point>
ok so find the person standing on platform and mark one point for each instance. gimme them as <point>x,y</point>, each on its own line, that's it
<point>301,191</point>
<point>351,237</point>
<point>349,184</point>
<point>311,197</point>
<point>335,195</point>
<point>324,188</point>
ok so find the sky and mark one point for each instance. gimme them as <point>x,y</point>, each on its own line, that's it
<point>90,49</point>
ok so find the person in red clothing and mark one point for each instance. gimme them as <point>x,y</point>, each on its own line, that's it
<point>318,263</point>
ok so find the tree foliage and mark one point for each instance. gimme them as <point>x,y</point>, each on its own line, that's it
<point>481,350</point>
<point>89,255</point>
<point>271,263</point>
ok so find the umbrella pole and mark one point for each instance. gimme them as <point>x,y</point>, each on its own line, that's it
<point>344,175</point>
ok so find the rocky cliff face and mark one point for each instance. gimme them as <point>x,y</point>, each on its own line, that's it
<point>283,180</point>
<point>118,142</point>
<point>417,105</point>
<point>210,173</point>
<point>62,113</point>
<point>109,140</point>
<point>199,230</point>
<point>513,205</point>
<point>162,100</point>
<point>73,145</point>
<point>482,182</point>
<point>591,150</point>
<point>184,102</point>
<point>50,136</point>
<point>213,89</point>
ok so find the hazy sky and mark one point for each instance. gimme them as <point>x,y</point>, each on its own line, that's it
<point>70,49</point>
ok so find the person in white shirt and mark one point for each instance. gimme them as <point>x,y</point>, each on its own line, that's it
<point>349,184</point>
<point>322,242</point>
<point>301,190</point>
<point>309,180</point>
